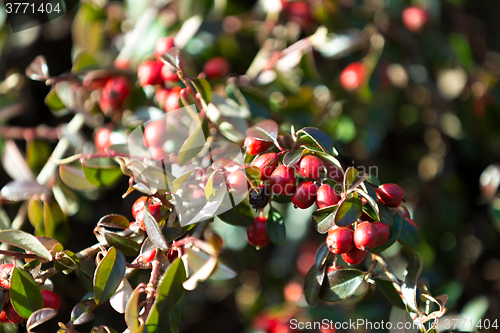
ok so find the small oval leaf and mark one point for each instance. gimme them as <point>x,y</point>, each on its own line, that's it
<point>349,212</point>
<point>325,218</point>
<point>26,242</point>
<point>108,275</point>
<point>75,178</point>
<point>312,284</point>
<point>25,295</point>
<point>39,317</point>
<point>266,130</point>
<point>340,284</point>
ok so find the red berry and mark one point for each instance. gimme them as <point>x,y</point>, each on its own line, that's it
<point>5,274</point>
<point>352,76</point>
<point>138,210</point>
<point>50,300</point>
<point>172,100</point>
<point>354,257</point>
<point>162,46</point>
<point>310,166</point>
<point>383,232</point>
<point>326,196</point>
<point>149,73</point>
<point>121,64</point>
<point>304,195</point>
<point>255,146</point>
<point>256,233</point>
<point>216,67</point>
<point>148,256</point>
<point>161,95</point>
<point>12,315</point>
<point>366,236</point>
<point>237,182</point>
<point>155,134</point>
<point>340,240</point>
<point>414,19</point>
<point>114,93</point>
<point>169,73</point>
<point>282,180</point>
<point>299,11</point>
<point>266,164</point>
<point>390,194</point>
<point>92,82</point>
<point>333,268</point>
<point>3,317</point>
<point>102,139</point>
<point>172,255</point>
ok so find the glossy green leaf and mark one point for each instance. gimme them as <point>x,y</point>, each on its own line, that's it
<point>321,139</point>
<point>25,295</point>
<point>69,260</point>
<point>35,213</point>
<point>171,234</point>
<point>127,246</point>
<point>240,215</point>
<point>312,284</point>
<point>101,172</point>
<point>25,241</point>
<point>114,221</point>
<point>349,212</point>
<point>410,235</point>
<point>75,178</point>
<point>37,154</point>
<point>390,292</point>
<point>252,174</point>
<point>321,256</point>
<point>395,231</point>
<point>275,227</point>
<point>325,218</point>
<point>55,222</point>
<point>169,293</point>
<point>372,209</point>
<point>39,317</point>
<point>385,215</point>
<point>340,284</point>
<point>204,88</point>
<point>109,275</point>
<point>351,174</point>
<point>409,285</point>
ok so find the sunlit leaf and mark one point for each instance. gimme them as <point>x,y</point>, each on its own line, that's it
<point>240,215</point>
<point>349,212</point>
<point>196,259</point>
<point>121,297</point>
<point>101,172</point>
<point>325,218</point>
<point>25,295</point>
<point>18,190</point>
<point>114,221</point>
<point>75,178</point>
<point>132,312</point>
<point>38,69</point>
<point>39,317</point>
<point>204,88</point>
<point>292,157</point>
<point>409,285</point>
<point>153,230</point>
<point>321,139</point>
<point>266,130</point>
<point>127,246</point>
<point>108,275</point>
<point>25,241</point>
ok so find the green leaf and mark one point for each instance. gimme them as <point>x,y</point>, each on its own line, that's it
<point>321,139</point>
<point>351,176</point>
<point>395,231</point>
<point>169,293</point>
<point>132,312</point>
<point>275,227</point>
<point>55,222</point>
<point>171,234</point>
<point>388,290</point>
<point>409,285</point>
<point>109,275</point>
<point>349,212</point>
<point>204,88</point>
<point>69,260</point>
<point>321,256</point>
<point>340,284</point>
<point>35,213</point>
<point>312,284</point>
<point>26,242</point>
<point>127,246</point>
<point>325,218</point>
<point>410,235</point>
<point>25,295</point>
<point>114,221</point>
<point>75,178</point>
<point>84,61</point>
<point>37,154</point>
<point>101,172</point>
<point>385,215</point>
<point>240,215</point>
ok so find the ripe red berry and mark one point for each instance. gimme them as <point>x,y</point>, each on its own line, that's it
<point>50,300</point>
<point>282,180</point>
<point>169,73</point>
<point>155,134</point>
<point>92,82</point>
<point>255,146</point>
<point>390,194</point>
<point>237,182</point>
<point>114,93</point>
<point>326,196</point>
<point>149,73</point>
<point>299,11</point>
<point>340,240</point>
<point>333,268</point>
<point>5,274</point>
<point>102,139</point>
<point>352,76</point>
<point>216,67</point>
<point>148,256</point>
<point>304,195</point>
<point>310,166</point>
<point>162,46</point>
<point>172,100</point>
<point>366,236</point>
<point>172,254</point>
<point>383,232</point>
<point>161,95</point>
<point>266,164</point>
<point>12,315</point>
<point>138,210</point>
<point>256,233</point>
<point>354,257</point>
<point>3,317</point>
<point>414,19</point>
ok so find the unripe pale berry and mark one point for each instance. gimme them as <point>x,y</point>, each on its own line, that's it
<point>155,134</point>
<point>172,100</point>
<point>366,236</point>
<point>149,73</point>
<point>162,46</point>
<point>169,73</point>
<point>340,240</point>
<point>354,257</point>
<point>352,76</point>
<point>390,194</point>
<point>282,180</point>
<point>310,166</point>
<point>138,210</point>
<point>50,299</point>
<point>102,139</point>
<point>266,164</point>
<point>383,232</point>
<point>256,233</point>
<point>216,67</point>
<point>326,196</point>
<point>304,195</point>
<point>255,146</point>
<point>5,274</point>
<point>237,182</point>
<point>114,93</point>
<point>414,19</point>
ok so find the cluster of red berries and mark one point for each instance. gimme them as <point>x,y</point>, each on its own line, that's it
<point>9,314</point>
<point>139,209</point>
